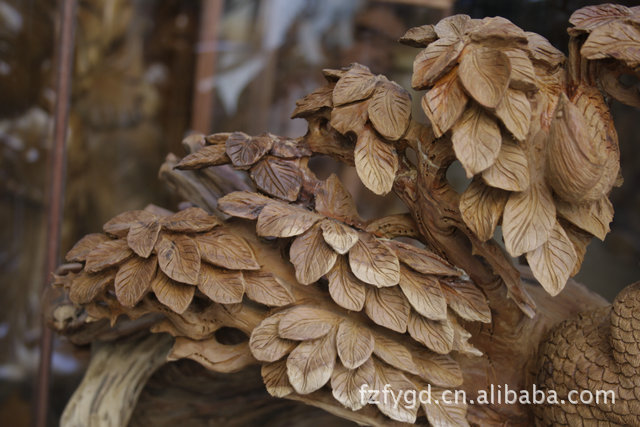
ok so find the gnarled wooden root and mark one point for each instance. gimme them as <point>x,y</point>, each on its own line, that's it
<point>116,375</point>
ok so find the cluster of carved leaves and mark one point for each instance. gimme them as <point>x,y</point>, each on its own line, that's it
<point>305,348</point>
<point>170,256</point>
<point>374,110</point>
<point>613,32</point>
<point>400,286</point>
<point>392,309</point>
<point>543,156</point>
<point>272,161</point>
<point>411,293</point>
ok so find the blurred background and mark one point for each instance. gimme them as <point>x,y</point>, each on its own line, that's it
<point>146,73</point>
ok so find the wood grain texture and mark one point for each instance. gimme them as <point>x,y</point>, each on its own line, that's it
<point>325,301</point>
<point>114,379</point>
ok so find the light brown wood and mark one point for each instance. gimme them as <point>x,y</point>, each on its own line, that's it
<point>285,274</point>
<point>115,377</point>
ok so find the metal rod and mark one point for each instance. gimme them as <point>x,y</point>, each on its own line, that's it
<point>206,49</point>
<point>64,64</point>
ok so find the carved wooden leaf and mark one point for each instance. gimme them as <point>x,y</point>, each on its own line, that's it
<point>543,52</point>
<point>310,364</point>
<point>388,307</point>
<point>107,254</point>
<point>278,177</point>
<point>422,260</point>
<point>391,226</point>
<point>354,343</point>
<point>179,258</point>
<point>311,256</point>
<point>452,26</point>
<point>345,288</point>
<point>510,171</point>
<point>174,295</point>
<point>419,36</point>
<point>438,369</point>
<point>444,102</point>
<point>484,73</point>
<point>275,378</point>
<point>245,151</point>
<point>222,286</point>
<point>575,159</point>
<point>528,219</point>
<point>445,414</point>
<point>209,155</point>
<point>476,140</point>
<point>466,299</point>
<point>436,335</point>
<point>265,343</point>
<point>424,294</point>
<point>283,220</point>
<point>133,280</point>
<point>553,261</point>
<point>394,353</point>
<point>81,249</point>
<point>434,61</point>
<point>339,236</point>
<point>373,262</point>
<point>523,76</point>
<point>358,83</point>
<point>593,217</point>
<point>243,204</point>
<point>376,162</point>
<point>267,289</point>
<point>85,287</point>
<point>190,220</point>
<point>142,237</point>
<point>590,17</point>
<point>224,249</point>
<point>495,29</point>
<point>333,75</point>
<point>347,383</point>
<point>119,225</point>
<point>481,207</point>
<point>216,138</point>
<point>306,323</point>
<point>333,200</point>
<point>315,101</point>
<point>403,411</point>
<point>390,110</point>
<point>580,240</point>
<point>350,117</point>
<point>515,112</point>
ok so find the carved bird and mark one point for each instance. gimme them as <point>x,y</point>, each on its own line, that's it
<point>598,351</point>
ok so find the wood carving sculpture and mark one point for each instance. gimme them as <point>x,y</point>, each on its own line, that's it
<point>329,301</point>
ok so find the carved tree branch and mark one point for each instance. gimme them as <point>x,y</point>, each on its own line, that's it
<point>114,379</point>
